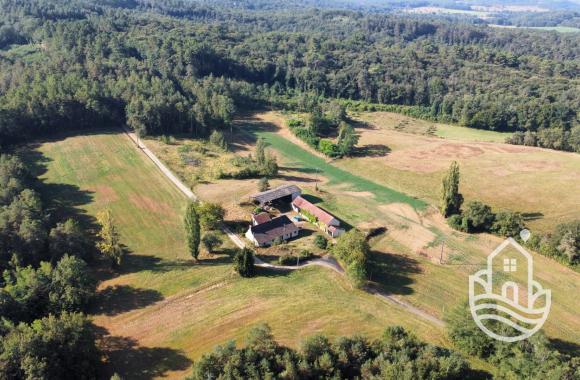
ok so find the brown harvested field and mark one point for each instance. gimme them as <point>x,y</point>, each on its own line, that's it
<point>542,184</point>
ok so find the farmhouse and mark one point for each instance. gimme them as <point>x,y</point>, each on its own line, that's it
<point>284,193</point>
<point>318,216</point>
<point>280,228</point>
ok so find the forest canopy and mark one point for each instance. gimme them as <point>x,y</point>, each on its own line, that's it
<point>171,66</point>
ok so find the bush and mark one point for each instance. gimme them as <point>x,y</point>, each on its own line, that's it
<point>217,138</point>
<point>211,215</point>
<point>286,259</point>
<point>211,241</point>
<point>479,216</point>
<point>263,184</point>
<point>508,223</point>
<point>306,255</point>
<point>295,123</point>
<point>456,222</point>
<point>328,148</point>
<point>244,262</point>
<point>352,249</point>
<point>321,242</point>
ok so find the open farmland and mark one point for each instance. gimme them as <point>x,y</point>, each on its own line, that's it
<point>420,259</point>
<point>161,311</point>
<point>541,184</point>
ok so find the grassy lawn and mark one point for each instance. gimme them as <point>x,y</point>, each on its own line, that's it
<point>161,311</point>
<point>336,176</point>
<point>401,123</point>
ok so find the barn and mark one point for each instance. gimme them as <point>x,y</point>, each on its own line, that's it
<point>284,193</point>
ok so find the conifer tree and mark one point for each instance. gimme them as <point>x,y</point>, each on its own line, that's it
<point>451,199</point>
<point>192,230</point>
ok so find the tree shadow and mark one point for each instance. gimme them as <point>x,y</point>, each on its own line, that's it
<point>118,299</point>
<point>293,178</point>
<point>529,216</point>
<point>131,361</point>
<point>312,198</point>
<point>301,169</point>
<point>272,272</point>
<point>61,201</point>
<point>237,226</point>
<point>372,150</point>
<point>392,272</point>
<point>565,347</point>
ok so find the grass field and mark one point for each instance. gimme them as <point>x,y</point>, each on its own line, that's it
<point>537,182</point>
<point>161,311</point>
<point>559,29</point>
<point>336,176</point>
<point>401,123</point>
<point>406,259</point>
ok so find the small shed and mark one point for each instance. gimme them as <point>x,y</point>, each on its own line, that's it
<point>281,193</point>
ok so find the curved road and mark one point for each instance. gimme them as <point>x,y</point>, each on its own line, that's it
<point>326,261</point>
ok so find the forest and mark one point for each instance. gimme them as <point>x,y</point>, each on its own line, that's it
<point>171,66</point>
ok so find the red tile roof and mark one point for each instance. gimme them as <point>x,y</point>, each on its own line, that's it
<point>319,213</point>
<point>262,217</point>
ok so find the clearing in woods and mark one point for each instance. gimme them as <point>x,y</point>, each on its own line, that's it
<point>160,311</point>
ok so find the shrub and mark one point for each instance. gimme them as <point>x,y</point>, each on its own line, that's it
<point>211,241</point>
<point>169,140</point>
<point>479,216</point>
<point>352,249</point>
<point>217,138</point>
<point>211,215</point>
<point>328,148</point>
<point>320,241</point>
<point>295,123</point>
<point>263,184</point>
<point>507,223</point>
<point>306,255</point>
<point>244,262</point>
<point>456,222</point>
<point>286,259</point>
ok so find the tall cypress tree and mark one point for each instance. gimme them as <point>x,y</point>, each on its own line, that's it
<point>192,230</point>
<point>261,152</point>
<point>451,199</point>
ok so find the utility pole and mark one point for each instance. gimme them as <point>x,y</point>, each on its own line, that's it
<point>441,254</point>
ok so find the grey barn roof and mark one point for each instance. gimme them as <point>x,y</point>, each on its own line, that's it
<point>275,228</point>
<point>273,194</point>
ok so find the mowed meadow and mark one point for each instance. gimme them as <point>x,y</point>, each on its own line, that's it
<point>542,184</point>
<point>159,312</point>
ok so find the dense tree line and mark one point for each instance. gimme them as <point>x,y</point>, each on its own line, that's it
<point>169,66</point>
<point>396,355</point>
<point>45,285</point>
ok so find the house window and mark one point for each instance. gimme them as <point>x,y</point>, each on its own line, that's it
<point>510,265</point>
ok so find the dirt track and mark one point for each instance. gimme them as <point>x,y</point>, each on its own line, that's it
<point>326,261</point>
